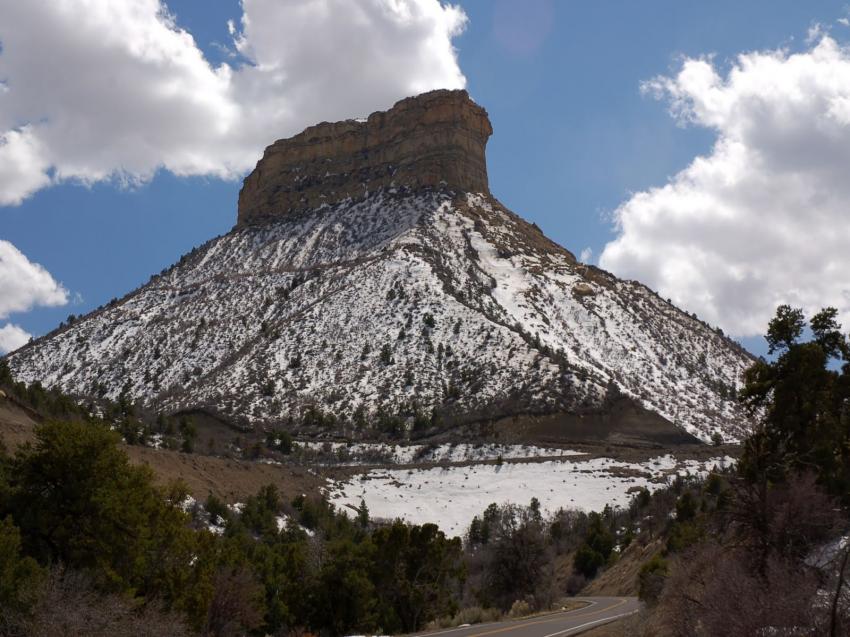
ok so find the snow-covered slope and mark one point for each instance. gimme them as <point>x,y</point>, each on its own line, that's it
<point>450,496</point>
<point>396,305</point>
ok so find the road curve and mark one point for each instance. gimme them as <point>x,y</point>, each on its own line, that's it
<point>599,610</point>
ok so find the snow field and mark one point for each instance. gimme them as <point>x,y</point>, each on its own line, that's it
<point>451,496</point>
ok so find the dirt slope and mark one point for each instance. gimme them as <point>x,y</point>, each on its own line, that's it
<point>231,480</point>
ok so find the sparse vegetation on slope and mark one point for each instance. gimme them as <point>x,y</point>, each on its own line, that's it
<point>419,311</point>
<point>764,549</point>
<point>72,501</point>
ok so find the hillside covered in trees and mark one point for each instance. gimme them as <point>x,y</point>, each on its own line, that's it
<point>90,545</point>
<point>764,550</point>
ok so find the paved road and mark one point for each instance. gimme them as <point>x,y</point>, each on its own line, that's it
<point>600,611</point>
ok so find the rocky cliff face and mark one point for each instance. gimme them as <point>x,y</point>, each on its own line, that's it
<point>373,284</point>
<point>432,140</point>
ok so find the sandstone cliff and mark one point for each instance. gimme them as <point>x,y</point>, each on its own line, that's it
<point>433,139</point>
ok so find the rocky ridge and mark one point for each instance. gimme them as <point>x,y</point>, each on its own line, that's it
<point>436,139</point>
<point>392,293</point>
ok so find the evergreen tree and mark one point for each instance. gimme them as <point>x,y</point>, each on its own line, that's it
<point>416,570</point>
<point>802,401</point>
<point>363,514</point>
<point>78,501</point>
<point>20,576</point>
<point>189,432</point>
<point>345,600</point>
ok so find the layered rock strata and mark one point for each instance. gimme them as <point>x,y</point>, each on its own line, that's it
<point>436,139</point>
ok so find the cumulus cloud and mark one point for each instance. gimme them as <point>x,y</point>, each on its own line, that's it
<point>12,337</point>
<point>117,90</point>
<point>764,218</point>
<point>24,284</point>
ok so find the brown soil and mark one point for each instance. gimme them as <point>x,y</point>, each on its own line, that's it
<point>16,423</point>
<point>217,433</point>
<point>622,422</point>
<point>621,579</point>
<point>625,423</point>
<point>231,480</point>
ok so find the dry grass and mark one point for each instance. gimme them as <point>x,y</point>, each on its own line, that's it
<point>621,579</point>
<point>231,480</point>
<point>478,615</point>
<point>16,424</point>
<point>471,615</point>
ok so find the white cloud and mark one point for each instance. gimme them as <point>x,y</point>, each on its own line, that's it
<point>816,32</point>
<point>103,90</point>
<point>586,255</point>
<point>23,168</point>
<point>12,337</point>
<point>24,284</point>
<point>763,218</point>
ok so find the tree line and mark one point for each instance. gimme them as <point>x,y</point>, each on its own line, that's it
<point>90,544</point>
<point>759,550</point>
<point>84,531</point>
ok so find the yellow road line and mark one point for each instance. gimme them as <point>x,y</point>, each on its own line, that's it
<point>549,621</point>
<point>613,618</point>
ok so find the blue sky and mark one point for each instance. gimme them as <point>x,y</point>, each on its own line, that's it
<point>574,136</point>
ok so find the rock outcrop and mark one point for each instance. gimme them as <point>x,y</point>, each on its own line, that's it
<point>431,140</point>
<point>429,309</point>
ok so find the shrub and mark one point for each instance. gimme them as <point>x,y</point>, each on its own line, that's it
<point>651,579</point>
<point>575,583</point>
<point>20,576</point>
<point>587,561</point>
<point>217,510</point>
<point>520,608</point>
<point>469,615</point>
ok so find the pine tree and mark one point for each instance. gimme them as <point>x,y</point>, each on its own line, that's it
<point>803,401</point>
<point>363,514</point>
